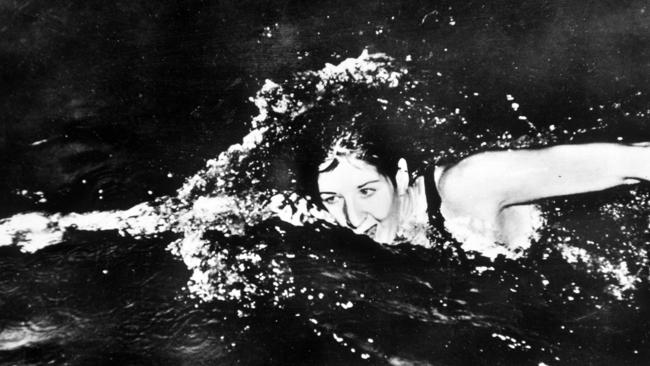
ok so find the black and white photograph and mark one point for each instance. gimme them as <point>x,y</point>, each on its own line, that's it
<point>277,182</point>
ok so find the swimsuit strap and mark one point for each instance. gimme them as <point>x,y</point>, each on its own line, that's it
<point>433,199</point>
<point>448,247</point>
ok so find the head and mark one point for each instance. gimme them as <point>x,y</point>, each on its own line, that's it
<point>363,189</point>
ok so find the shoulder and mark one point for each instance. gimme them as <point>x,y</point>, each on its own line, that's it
<point>470,187</point>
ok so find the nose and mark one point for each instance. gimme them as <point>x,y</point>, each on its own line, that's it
<point>353,215</point>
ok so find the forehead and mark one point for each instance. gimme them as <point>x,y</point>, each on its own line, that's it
<point>349,173</point>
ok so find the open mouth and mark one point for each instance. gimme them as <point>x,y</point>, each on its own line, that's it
<point>369,231</point>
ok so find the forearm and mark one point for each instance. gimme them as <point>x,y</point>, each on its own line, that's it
<point>572,169</point>
<point>500,179</point>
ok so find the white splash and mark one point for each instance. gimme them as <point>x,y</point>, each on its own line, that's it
<point>483,237</point>
<point>620,272</point>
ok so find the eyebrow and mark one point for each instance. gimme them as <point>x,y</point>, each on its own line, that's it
<point>368,182</point>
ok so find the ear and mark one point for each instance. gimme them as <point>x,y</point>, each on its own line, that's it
<point>402,177</point>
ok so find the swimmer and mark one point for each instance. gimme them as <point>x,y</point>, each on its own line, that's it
<point>488,194</point>
<point>386,161</point>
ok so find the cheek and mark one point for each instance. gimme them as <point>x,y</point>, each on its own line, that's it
<point>382,204</point>
<point>337,213</point>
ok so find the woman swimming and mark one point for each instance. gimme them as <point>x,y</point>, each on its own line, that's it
<point>384,161</point>
<point>488,195</point>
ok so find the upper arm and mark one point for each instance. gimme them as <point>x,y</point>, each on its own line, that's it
<point>469,187</point>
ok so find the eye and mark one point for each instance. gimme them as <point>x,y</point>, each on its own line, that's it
<point>367,192</point>
<point>330,200</point>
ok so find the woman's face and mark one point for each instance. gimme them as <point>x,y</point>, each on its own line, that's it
<point>361,198</point>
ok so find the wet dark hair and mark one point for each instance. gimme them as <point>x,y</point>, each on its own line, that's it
<point>380,122</point>
<point>367,126</point>
<point>370,153</point>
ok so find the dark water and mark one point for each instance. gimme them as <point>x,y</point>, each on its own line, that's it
<point>127,99</point>
<point>103,299</point>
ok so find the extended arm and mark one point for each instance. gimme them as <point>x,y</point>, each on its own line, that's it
<point>486,183</point>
